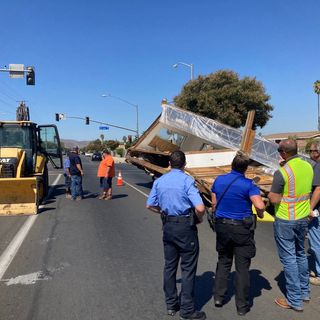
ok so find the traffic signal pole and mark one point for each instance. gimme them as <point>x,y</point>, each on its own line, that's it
<point>18,71</point>
<point>62,116</point>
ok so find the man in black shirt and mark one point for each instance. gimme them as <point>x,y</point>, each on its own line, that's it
<point>76,172</point>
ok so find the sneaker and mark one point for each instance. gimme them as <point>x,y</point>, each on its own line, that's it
<point>79,198</point>
<point>315,281</point>
<point>242,312</point>
<point>108,198</point>
<point>173,310</point>
<point>198,315</point>
<point>68,196</point>
<point>282,302</point>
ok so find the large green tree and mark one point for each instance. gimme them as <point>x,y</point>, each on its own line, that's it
<point>112,144</point>
<point>224,97</point>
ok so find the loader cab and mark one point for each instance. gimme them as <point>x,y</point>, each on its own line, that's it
<point>34,140</point>
<point>49,144</point>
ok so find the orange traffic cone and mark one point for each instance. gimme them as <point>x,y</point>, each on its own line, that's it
<point>119,181</point>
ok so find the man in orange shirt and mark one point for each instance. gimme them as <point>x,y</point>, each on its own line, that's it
<point>106,171</point>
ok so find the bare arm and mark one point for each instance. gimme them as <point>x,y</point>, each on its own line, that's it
<point>200,210</point>
<point>107,172</point>
<point>275,197</point>
<point>259,205</point>
<point>79,168</point>
<point>156,209</point>
<point>315,197</point>
<point>213,200</point>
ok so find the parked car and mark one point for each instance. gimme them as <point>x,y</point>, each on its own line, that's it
<point>88,154</point>
<point>96,156</point>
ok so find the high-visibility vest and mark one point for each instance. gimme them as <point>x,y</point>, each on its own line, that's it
<point>295,202</point>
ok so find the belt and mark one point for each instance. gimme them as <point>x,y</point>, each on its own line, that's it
<point>177,218</point>
<point>229,221</point>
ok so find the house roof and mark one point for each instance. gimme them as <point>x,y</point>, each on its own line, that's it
<point>298,135</point>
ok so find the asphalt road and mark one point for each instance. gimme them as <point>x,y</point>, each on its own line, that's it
<point>95,259</point>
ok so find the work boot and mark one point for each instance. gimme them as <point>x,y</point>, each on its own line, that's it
<point>282,302</point>
<point>197,315</point>
<point>315,281</point>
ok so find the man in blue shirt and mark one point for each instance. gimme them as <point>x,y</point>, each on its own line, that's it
<point>174,195</point>
<point>232,198</point>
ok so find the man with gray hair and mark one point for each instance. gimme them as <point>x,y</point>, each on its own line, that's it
<point>290,193</point>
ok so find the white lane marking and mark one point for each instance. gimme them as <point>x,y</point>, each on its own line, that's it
<point>32,278</point>
<point>13,247</point>
<point>27,279</point>
<point>130,185</point>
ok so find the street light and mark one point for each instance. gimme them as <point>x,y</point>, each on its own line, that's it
<point>187,65</point>
<point>131,104</point>
<point>316,87</point>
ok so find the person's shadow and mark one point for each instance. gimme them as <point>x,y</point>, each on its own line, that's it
<point>281,281</point>
<point>204,286</point>
<point>257,283</point>
<point>203,289</point>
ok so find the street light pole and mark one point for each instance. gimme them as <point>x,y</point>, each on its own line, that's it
<point>131,104</point>
<point>187,65</point>
<point>316,87</point>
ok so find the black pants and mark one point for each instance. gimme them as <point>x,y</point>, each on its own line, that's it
<point>180,241</point>
<point>234,241</point>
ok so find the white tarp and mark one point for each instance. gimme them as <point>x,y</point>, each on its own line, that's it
<point>263,151</point>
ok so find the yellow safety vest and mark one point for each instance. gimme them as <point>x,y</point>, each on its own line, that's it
<point>295,202</point>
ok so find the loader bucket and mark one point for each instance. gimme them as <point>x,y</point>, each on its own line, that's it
<point>18,196</point>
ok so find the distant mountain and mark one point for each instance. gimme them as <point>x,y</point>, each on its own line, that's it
<point>69,143</point>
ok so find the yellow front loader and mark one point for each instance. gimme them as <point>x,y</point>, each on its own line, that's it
<point>25,150</point>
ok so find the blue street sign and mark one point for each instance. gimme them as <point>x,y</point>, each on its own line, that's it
<point>103,128</point>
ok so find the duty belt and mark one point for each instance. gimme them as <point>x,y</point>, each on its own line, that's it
<point>229,221</point>
<point>176,218</point>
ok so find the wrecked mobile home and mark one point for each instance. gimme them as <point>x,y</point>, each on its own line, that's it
<point>209,147</point>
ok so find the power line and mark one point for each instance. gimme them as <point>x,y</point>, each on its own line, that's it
<point>8,96</point>
<point>8,104</point>
<point>10,90</point>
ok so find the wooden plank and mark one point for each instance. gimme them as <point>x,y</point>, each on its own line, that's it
<point>162,145</point>
<point>247,137</point>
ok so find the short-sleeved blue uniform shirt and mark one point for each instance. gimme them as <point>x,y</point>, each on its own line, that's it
<point>66,164</point>
<point>175,193</point>
<point>236,203</point>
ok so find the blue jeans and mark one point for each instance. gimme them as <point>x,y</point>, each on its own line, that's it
<point>314,240</point>
<point>76,186</point>
<point>289,236</point>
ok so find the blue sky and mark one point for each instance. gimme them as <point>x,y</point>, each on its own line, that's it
<point>82,49</point>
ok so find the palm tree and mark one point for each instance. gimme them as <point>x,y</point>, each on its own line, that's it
<point>316,87</point>
<point>102,137</point>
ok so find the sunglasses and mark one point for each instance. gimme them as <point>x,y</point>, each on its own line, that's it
<point>313,151</point>
<point>280,150</point>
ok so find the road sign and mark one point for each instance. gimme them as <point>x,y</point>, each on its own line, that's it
<point>103,128</point>
<point>16,70</point>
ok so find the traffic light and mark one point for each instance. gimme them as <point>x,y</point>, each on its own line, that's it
<point>57,116</point>
<point>30,77</point>
<point>87,120</point>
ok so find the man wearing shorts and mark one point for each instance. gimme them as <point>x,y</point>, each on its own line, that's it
<point>106,171</point>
